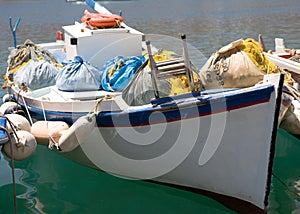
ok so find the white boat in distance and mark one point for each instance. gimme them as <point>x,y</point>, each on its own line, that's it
<point>283,58</point>
<point>219,141</point>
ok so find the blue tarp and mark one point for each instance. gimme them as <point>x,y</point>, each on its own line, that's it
<point>117,72</point>
<point>3,136</point>
<point>78,75</point>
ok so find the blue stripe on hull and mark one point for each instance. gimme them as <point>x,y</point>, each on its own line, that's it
<point>68,117</point>
<point>175,111</point>
<point>170,111</point>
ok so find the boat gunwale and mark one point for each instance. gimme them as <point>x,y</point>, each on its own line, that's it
<point>229,100</point>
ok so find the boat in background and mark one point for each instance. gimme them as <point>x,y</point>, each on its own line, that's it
<point>220,141</point>
<point>288,59</point>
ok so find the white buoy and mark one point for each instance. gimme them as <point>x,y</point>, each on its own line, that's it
<point>19,122</point>
<point>77,133</point>
<point>9,105</point>
<point>7,98</point>
<point>42,130</point>
<point>23,148</point>
<point>291,119</point>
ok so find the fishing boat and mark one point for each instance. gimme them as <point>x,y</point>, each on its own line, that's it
<point>286,58</point>
<point>220,141</point>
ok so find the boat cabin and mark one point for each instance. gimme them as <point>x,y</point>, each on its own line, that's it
<point>100,45</point>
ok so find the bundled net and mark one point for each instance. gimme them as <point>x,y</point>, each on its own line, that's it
<point>23,53</point>
<point>239,64</point>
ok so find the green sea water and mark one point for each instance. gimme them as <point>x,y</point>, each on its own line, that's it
<point>50,183</point>
<point>285,191</point>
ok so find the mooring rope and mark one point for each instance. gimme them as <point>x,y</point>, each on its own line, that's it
<point>98,102</point>
<point>12,160</point>
<point>52,142</point>
<point>26,107</point>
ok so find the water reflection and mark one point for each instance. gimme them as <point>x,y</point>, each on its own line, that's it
<point>25,181</point>
<point>285,191</point>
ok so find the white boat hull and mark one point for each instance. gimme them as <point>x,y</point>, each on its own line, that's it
<point>235,166</point>
<point>218,142</point>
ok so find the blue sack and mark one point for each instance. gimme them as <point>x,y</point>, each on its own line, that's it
<point>3,136</point>
<point>78,75</point>
<point>117,72</point>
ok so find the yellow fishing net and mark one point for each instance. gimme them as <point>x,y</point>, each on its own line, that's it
<point>59,66</point>
<point>179,85</point>
<point>255,53</point>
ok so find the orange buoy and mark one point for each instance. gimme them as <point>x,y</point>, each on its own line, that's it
<point>101,20</point>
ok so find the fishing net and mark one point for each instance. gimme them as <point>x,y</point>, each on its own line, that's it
<point>140,90</point>
<point>255,53</point>
<point>23,53</point>
<point>239,64</point>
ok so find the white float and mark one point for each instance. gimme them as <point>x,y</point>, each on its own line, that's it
<point>23,146</point>
<point>43,130</point>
